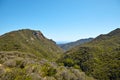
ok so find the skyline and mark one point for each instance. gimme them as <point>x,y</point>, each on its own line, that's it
<point>61,20</point>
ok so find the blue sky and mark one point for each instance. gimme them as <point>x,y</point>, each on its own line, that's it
<point>61,20</point>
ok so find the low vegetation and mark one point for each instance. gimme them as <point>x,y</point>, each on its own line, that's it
<point>27,66</point>
<point>99,58</point>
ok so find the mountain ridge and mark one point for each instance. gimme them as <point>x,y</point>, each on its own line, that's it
<point>99,58</point>
<point>70,45</point>
<point>27,40</point>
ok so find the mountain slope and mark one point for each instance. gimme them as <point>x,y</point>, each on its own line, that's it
<point>16,65</point>
<point>70,45</point>
<point>29,41</point>
<point>99,58</point>
<point>28,55</point>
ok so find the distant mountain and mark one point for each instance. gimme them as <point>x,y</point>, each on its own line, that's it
<point>70,45</point>
<point>29,41</point>
<point>99,58</point>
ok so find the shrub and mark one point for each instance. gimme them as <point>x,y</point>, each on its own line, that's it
<point>51,71</point>
<point>68,62</point>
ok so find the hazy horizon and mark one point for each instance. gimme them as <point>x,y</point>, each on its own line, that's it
<point>61,20</point>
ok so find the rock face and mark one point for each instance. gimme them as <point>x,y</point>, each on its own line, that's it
<point>29,41</point>
<point>39,35</point>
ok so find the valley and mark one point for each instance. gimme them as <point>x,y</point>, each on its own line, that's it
<point>28,55</point>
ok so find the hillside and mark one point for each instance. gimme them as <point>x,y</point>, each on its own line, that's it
<point>28,55</point>
<point>70,45</point>
<point>99,58</point>
<point>29,41</point>
<point>15,65</point>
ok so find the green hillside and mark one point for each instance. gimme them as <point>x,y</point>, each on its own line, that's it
<point>28,55</point>
<point>30,41</point>
<point>16,65</point>
<point>99,58</point>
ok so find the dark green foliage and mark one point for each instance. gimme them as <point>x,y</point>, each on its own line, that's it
<point>51,72</point>
<point>99,58</point>
<point>68,62</point>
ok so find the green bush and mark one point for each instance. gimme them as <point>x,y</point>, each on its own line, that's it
<point>68,62</point>
<point>51,72</point>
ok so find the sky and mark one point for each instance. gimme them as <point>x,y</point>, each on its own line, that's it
<point>61,20</point>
